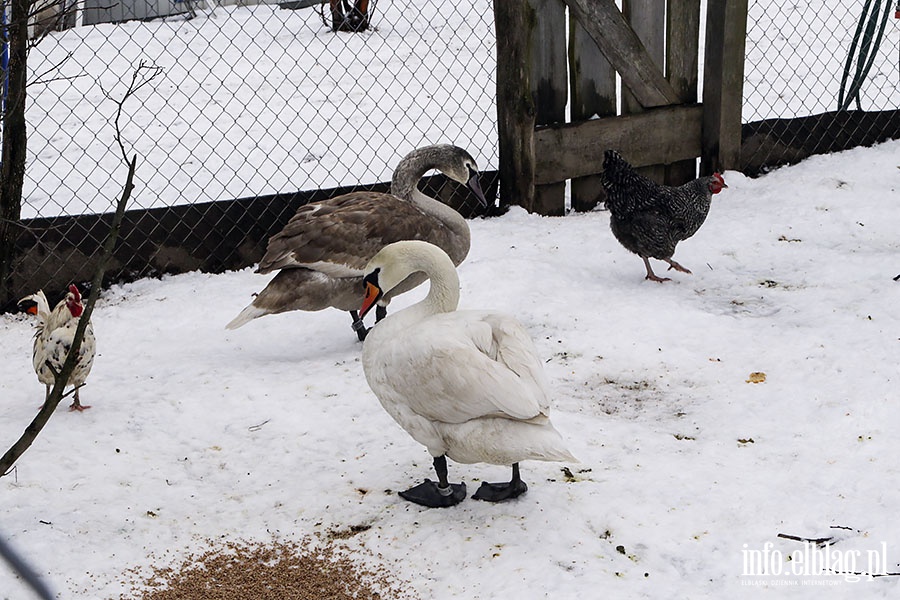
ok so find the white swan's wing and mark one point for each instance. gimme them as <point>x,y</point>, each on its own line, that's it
<point>467,365</point>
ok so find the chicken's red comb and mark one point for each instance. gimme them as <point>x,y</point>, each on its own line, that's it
<point>74,289</point>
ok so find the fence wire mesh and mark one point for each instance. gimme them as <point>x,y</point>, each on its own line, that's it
<point>808,59</point>
<point>252,101</point>
<point>256,100</point>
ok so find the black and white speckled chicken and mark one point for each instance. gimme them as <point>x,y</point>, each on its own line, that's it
<point>54,336</point>
<point>649,219</point>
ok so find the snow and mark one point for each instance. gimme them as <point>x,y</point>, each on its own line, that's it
<point>686,469</point>
<point>197,432</point>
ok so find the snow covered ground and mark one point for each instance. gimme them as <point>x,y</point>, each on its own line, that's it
<point>688,472</point>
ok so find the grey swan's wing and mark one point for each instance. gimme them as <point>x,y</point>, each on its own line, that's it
<point>339,236</point>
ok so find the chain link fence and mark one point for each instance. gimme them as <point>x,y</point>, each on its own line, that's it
<point>253,102</point>
<point>257,102</point>
<point>819,77</point>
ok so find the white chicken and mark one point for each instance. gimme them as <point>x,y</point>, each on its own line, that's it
<point>54,336</point>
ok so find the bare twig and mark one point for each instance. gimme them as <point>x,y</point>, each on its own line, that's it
<point>60,78</point>
<point>817,541</point>
<point>141,77</point>
<point>62,378</point>
<point>51,23</point>
<point>32,229</point>
<point>39,78</point>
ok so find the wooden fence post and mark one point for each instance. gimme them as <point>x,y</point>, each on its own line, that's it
<point>515,105</point>
<point>682,51</point>
<point>648,19</point>
<point>593,85</point>
<point>531,90</point>
<point>723,83</point>
<point>549,86</point>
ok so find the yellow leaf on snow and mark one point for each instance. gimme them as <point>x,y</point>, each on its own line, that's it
<point>757,377</point>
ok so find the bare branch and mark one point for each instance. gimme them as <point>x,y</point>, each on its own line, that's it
<point>40,78</point>
<point>140,77</point>
<point>62,378</point>
<point>25,571</point>
<point>49,23</point>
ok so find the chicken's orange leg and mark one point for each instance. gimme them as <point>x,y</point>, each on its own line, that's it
<point>677,267</point>
<point>650,274</point>
<point>76,404</point>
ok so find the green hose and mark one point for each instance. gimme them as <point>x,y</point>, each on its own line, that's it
<point>868,48</point>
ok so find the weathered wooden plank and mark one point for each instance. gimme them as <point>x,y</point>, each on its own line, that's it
<point>683,47</point>
<point>648,21</point>
<point>549,87</point>
<point>658,136</point>
<point>606,25</point>
<point>723,79</point>
<point>515,104</point>
<point>593,87</point>
<point>682,52</point>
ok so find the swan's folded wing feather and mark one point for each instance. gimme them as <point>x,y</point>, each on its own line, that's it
<point>339,236</point>
<point>466,365</point>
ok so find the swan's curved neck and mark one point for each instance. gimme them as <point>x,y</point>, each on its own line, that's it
<point>410,170</point>
<point>443,294</point>
<point>403,185</point>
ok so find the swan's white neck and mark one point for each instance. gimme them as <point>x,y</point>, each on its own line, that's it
<point>443,294</point>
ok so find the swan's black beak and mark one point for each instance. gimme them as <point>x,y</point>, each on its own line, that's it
<point>373,295</point>
<point>476,187</point>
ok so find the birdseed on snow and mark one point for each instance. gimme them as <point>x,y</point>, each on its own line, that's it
<point>265,571</point>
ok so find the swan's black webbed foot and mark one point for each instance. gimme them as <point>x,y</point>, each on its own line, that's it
<point>431,495</point>
<point>498,492</point>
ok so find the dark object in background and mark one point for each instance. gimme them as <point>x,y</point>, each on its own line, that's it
<point>347,15</point>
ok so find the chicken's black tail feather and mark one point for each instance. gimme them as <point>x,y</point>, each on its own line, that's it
<point>616,170</point>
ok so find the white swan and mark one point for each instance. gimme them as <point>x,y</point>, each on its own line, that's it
<point>465,384</point>
<point>322,251</point>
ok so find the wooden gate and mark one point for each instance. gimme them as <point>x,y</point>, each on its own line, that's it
<point>656,122</point>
